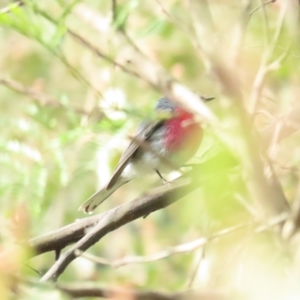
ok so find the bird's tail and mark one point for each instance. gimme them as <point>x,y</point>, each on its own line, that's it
<point>90,204</point>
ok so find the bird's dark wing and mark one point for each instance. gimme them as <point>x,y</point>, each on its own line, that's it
<point>144,131</point>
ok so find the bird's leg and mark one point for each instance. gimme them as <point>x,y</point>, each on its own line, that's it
<point>161,177</point>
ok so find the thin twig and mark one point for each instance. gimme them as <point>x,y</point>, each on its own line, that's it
<point>76,73</point>
<point>265,66</point>
<point>265,22</point>
<point>260,6</point>
<point>199,257</point>
<point>174,20</point>
<point>43,99</point>
<point>8,8</point>
<point>79,290</point>
<point>114,10</point>
<point>123,31</point>
<point>182,248</point>
<point>152,73</point>
<point>290,124</point>
<point>89,289</point>
<point>240,34</point>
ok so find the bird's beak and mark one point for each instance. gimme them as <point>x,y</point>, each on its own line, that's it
<point>206,99</point>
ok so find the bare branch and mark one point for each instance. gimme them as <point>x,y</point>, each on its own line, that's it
<point>62,237</point>
<point>76,73</point>
<point>260,6</point>
<point>156,76</point>
<point>183,248</point>
<point>142,206</point>
<point>43,99</point>
<point>101,54</point>
<point>111,220</point>
<point>290,123</point>
<point>239,33</point>
<point>114,218</point>
<point>263,185</point>
<point>197,265</point>
<point>176,21</point>
<point>152,73</point>
<point>114,9</point>
<point>78,290</point>
<point>8,8</point>
<point>265,66</point>
<point>88,289</point>
<point>70,255</point>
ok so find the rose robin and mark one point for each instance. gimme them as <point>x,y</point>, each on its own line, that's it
<point>169,141</point>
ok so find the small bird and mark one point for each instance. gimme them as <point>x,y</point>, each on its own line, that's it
<point>165,143</point>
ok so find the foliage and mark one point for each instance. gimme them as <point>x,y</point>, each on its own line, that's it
<point>66,114</point>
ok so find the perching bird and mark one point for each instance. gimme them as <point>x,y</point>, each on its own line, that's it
<point>165,143</point>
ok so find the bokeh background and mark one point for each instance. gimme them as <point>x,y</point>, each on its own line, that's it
<point>66,115</point>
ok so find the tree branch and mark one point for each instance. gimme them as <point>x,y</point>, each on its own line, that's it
<point>142,206</point>
<point>114,218</point>
<point>111,220</point>
<point>183,248</point>
<point>8,8</point>
<point>260,6</point>
<point>152,73</point>
<point>43,99</point>
<point>79,290</point>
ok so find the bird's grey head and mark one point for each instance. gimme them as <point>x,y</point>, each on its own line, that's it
<point>165,104</point>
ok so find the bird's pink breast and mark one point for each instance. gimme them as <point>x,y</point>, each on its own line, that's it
<point>183,136</point>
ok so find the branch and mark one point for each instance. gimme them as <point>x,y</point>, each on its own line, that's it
<point>101,54</point>
<point>62,237</point>
<point>152,73</point>
<point>88,289</point>
<point>73,232</point>
<point>267,192</point>
<point>155,76</point>
<point>79,290</point>
<point>8,8</point>
<point>183,248</point>
<point>290,123</point>
<point>43,99</point>
<point>179,23</point>
<point>114,218</point>
<point>260,6</point>
<point>265,65</point>
<point>111,220</point>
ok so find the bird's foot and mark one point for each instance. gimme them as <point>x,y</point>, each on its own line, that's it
<point>165,181</point>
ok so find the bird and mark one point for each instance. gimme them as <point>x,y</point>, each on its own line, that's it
<point>162,144</point>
